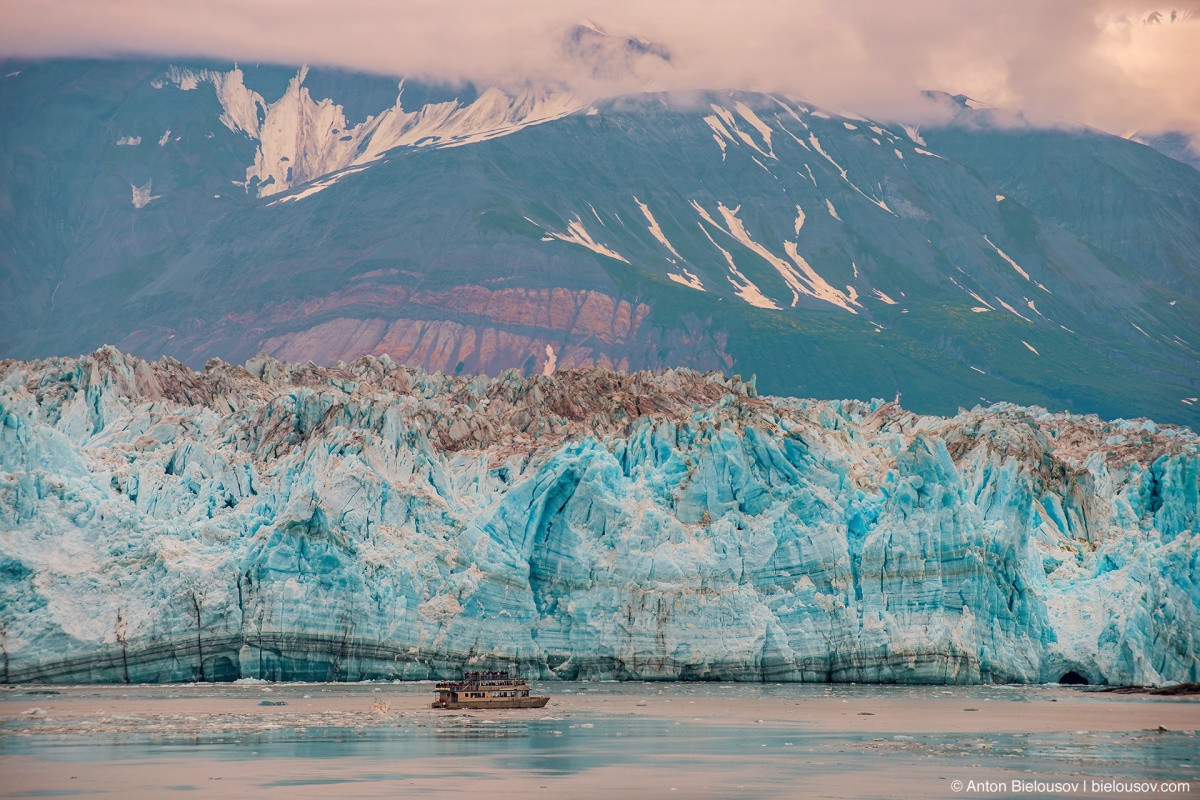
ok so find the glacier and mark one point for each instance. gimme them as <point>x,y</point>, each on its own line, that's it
<point>372,521</point>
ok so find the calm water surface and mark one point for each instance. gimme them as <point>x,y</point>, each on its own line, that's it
<point>464,754</point>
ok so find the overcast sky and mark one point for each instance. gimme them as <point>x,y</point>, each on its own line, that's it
<point>1096,62</point>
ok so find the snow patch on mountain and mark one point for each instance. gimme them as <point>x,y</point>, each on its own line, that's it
<point>914,133</point>
<point>743,287</point>
<point>656,230</point>
<point>687,279</point>
<point>802,279</point>
<point>1007,258</point>
<point>763,128</point>
<point>1012,310</point>
<point>577,234</point>
<point>302,139</point>
<point>724,124</point>
<point>143,195</point>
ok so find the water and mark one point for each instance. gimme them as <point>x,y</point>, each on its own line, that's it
<point>604,740</point>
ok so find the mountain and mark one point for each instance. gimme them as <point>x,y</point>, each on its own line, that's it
<point>201,210</point>
<point>1173,144</point>
<point>295,522</point>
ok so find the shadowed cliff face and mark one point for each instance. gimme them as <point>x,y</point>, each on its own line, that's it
<point>370,520</point>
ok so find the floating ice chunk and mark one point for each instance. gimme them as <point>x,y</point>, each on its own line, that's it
<point>1031,347</point>
<point>129,141</point>
<point>883,297</point>
<point>832,211</point>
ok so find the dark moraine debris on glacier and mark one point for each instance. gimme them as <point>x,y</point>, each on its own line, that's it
<point>372,521</point>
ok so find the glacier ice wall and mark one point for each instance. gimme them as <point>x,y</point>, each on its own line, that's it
<point>368,520</point>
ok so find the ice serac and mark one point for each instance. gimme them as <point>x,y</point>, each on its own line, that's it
<point>370,520</point>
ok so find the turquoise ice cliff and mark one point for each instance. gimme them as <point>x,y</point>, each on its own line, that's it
<point>372,521</point>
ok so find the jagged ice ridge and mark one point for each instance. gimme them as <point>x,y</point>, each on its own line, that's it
<point>368,520</point>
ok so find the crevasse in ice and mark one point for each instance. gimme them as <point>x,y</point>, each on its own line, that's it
<point>371,521</point>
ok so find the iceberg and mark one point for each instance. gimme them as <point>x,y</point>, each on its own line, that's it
<point>371,521</point>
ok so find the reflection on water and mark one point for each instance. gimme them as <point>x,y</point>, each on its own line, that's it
<point>564,744</point>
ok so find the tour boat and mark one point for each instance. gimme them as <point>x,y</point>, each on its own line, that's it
<point>487,690</point>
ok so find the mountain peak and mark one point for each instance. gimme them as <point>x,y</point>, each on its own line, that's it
<point>613,57</point>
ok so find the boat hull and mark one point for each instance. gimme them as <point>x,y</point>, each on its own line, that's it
<point>504,702</point>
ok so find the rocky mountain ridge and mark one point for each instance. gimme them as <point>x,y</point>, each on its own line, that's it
<point>200,210</point>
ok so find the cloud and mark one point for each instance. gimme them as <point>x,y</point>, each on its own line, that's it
<point>1113,64</point>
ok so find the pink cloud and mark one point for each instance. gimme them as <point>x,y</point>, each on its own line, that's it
<point>1113,64</point>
